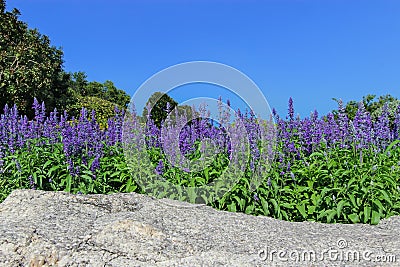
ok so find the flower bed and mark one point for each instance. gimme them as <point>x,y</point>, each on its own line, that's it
<point>326,169</point>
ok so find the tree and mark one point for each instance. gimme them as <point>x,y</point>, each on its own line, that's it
<point>371,106</point>
<point>78,83</point>
<point>101,97</point>
<point>29,66</point>
<point>104,109</point>
<point>158,103</point>
<point>106,90</point>
<point>115,95</point>
<point>159,113</point>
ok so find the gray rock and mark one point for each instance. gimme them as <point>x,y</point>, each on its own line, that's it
<point>59,229</point>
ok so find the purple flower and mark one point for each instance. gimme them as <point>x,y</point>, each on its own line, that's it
<point>256,197</point>
<point>343,125</point>
<point>396,128</point>
<point>18,165</point>
<point>160,168</point>
<point>32,182</point>
<point>382,134</point>
<point>291,109</point>
<point>362,127</point>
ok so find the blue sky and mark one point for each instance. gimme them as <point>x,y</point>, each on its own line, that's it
<point>309,50</point>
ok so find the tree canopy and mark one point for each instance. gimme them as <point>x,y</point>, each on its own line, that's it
<point>29,66</point>
<point>159,112</point>
<point>374,107</point>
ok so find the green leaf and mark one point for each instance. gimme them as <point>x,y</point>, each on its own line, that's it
<point>384,195</point>
<point>375,217</point>
<point>367,212</point>
<point>47,163</point>
<point>331,215</point>
<point>353,201</point>
<point>264,205</point>
<point>249,209</point>
<point>340,206</point>
<point>275,204</point>
<point>354,218</point>
<point>391,145</point>
<point>301,208</point>
<point>287,205</point>
<point>378,204</point>
<point>311,209</point>
<point>232,207</point>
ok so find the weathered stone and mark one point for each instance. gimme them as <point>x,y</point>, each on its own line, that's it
<point>59,229</point>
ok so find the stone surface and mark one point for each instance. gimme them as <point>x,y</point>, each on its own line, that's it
<point>59,229</point>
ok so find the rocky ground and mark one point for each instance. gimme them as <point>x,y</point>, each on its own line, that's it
<point>59,229</point>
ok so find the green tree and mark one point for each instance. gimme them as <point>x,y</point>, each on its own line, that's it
<point>373,107</point>
<point>104,109</point>
<point>115,95</point>
<point>29,66</point>
<point>107,91</point>
<point>159,113</point>
<point>158,103</point>
<point>78,83</point>
<point>81,88</point>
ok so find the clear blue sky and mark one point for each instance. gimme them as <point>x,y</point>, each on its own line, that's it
<point>309,50</point>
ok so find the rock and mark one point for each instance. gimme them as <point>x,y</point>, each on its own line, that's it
<point>41,228</point>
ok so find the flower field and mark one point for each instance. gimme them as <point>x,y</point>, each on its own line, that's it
<point>327,169</point>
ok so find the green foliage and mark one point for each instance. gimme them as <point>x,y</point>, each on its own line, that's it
<point>78,83</point>
<point>159,113</point>
<point>373,107</point>
<point>107,91</point>
<point>392,107</point>
<point>46,165</point>
<point>80,87</point>
<point>334,186</point>
<point>29,66</point>
<point>104,109</point>
<point>158,103</point>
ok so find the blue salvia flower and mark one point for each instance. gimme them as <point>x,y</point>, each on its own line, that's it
<point>343,126</point>
<point>305,135</point>
<point>331,131</point>
<point>316,131</point>
<point>18,165</point>
<point>160,168</point>
<point>36,107</point>
<point>23,135</point>
<point>32,182</point>
<point>12,131</point>
<point>382,133</point>
<point>396,128</point>
<point>362,127</point>
<point>291,109</point>
<point>256,197</point>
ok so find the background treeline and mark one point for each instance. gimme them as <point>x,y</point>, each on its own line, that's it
<point>30,67</point>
